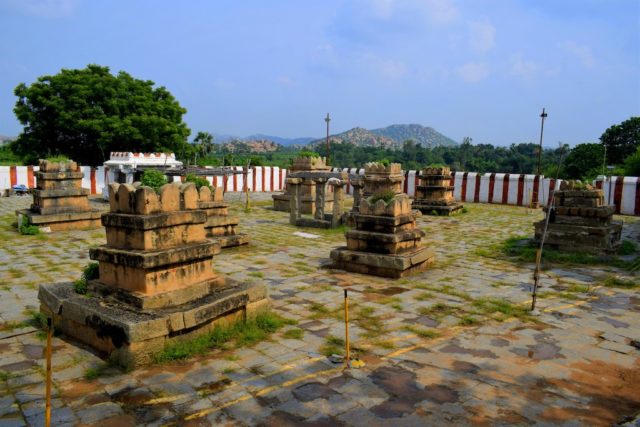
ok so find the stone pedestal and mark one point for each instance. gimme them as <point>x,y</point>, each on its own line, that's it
<point>281,202</point>
<point>59,201</point>
<point>156,281</point>
<point>386,241</point>
<point>220,226</point>
<point>321,219</point>
<point>434,194</point>
<point>580,221</point>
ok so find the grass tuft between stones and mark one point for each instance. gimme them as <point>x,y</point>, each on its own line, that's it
<point>238,334</point>
<point>523,249</point>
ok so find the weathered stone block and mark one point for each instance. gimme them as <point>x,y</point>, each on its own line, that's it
<point>170,198</point>
<point>146,201</point>
<point>188,196</point>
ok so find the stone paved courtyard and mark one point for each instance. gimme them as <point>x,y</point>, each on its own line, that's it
<point>435,353</point>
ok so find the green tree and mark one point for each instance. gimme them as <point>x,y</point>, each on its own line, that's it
<point>632,164</point>
<point>85,114</point>
<point>204,141</point>
<point>621,140</point>
<point>584,161</point>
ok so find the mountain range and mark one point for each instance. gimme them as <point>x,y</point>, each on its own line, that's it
<point>390,136</point>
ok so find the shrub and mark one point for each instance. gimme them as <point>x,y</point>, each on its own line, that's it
<point>27,229</point>
<point>307,153</point>
<point>153,178</point>
<point>387,196</point>
<point>384,162</point>
<point>90,272</point>
<point>199,181</point>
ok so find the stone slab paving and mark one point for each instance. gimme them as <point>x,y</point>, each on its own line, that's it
<point>432,357</point>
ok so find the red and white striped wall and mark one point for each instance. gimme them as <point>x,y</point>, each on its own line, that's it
<point>259,178</point>
<point>498,188</point>
<point>623,192</point>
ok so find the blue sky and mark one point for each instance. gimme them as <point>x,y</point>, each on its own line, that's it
<point>478,68</point>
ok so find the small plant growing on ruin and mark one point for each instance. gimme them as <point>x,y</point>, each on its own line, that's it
<point>306,153</point>
<point>153,178</point>
<point>198,181</point>
<point>387,196</point>
<point>28,229</point>
<point>90,272</point>
<point>58,159</point>
<point>437,165</point>
<point>384,162</point>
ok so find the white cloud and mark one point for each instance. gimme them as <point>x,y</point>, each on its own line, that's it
<point>523,67</point>
<point>440,11</point>
<point>582,52</point>
<point>387,68</point>
<point>383,9</point>
<point>473,72</point>
<point>46,8</point>
<point>482,38</point>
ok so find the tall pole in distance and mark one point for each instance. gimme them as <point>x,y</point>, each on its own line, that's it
<point>327,119</point>
<point>543,116</point>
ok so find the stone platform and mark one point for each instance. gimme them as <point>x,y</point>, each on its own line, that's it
<point>307,195</point>
<point>156,282</point>
<point>59,201</point>
<point>580,222</point>
<point>220,227</point>
<point>434,194</point>
<point>129,335</point>
<point>385,241</point>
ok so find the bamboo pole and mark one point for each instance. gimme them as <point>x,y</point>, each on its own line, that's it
<point>346,327</point>
<point>47,410</point>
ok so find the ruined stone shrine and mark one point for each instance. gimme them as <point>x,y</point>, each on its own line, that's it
<point>59,201</point>
<point>220,226</point>
<point>434,193</point>
<point>322,180</point>
<point>307,195</point>
<point>386,241</point>
<point>580,221</point>
<point>156,281</point>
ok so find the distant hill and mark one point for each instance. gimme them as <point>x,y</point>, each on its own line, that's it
<point>219,138</point>
<point>424,135</point>
<point>391,136</point>
<point>280,140</point>
<point>359,137</point>
<point>251,146</point>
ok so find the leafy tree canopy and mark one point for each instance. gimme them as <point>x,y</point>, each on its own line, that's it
<point>87,113</point>
<point>621,140</point>
<point>584,161</point>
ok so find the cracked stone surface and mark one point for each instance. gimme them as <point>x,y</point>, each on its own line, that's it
<point>434,354</point>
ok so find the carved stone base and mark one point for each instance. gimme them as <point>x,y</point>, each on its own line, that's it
<point>395,266</point>
<point>131,336</point>
<point>605,239</point>
<point>63,221</point>
<point>232,240</point>
<point>440,210</point>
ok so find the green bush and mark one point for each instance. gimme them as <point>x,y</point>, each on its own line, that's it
<point>153,178</point>
<point>306,153</point>
<point>384,162</point>
<point>27,229</point>
<point>387,196</point>
<point>199,181</point>
<point>90,272</point>
<point>632,164</point>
